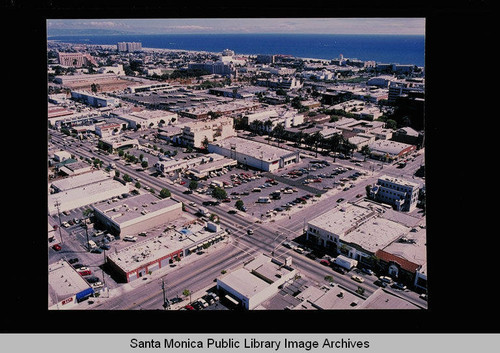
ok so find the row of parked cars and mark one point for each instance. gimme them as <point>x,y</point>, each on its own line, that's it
<point>86,273</point>
<point>203,302</point>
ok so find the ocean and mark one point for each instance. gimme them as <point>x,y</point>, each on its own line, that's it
<point>397,49</point>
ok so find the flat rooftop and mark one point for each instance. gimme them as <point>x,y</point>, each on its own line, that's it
<point>399,181</point>
<point>167,242</point>
<point>341,219</point>
<point>382,299</point>
<point>254,149</point>
<point>327,298</point>
<point>64,281</point>
<point>94,176</point>
<point>135,207</point>
<point>375,233</point>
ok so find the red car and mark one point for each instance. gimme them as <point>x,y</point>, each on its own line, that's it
<point>325,262</point>
<point>182,182</point>
<point>57,247</point>
<point>189,307</point>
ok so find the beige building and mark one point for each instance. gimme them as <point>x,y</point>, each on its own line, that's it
<point>194,133</point>
<point>136,214</point>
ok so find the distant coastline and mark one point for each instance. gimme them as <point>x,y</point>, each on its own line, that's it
<point>404,49</point>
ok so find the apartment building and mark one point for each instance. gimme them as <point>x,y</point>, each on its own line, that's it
<point>75,59</point>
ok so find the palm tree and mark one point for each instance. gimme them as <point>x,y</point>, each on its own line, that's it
<point>278,132</point>
<point>365,150</point>
<point>299,138</point>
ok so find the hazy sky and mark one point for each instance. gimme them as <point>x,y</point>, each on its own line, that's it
<point>249,25</point>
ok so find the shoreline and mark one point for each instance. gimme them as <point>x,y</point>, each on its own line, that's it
<point>167,50</point>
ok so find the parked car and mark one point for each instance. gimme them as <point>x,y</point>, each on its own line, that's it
<point>385,279</point>
<point>250,231</point>
<point>325,262</point>
<point>367,271</point>
<point>93,279</point>
<point>175,300</point>
<point>197,305</point>
<point>73,260</point>
<point>399,285</point>
<point>203,302</point>
<point>130,238</point>
<point>189,307</point>
<point>56,247</point>
<point>97,285</point>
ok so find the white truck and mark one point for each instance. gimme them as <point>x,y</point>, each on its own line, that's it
<point>345,262</point>
<point>263,200</point>
<point>203,211</point>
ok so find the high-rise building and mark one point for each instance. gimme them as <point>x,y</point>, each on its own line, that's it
<point>129,46</point>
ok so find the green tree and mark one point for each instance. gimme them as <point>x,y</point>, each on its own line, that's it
<point>219,193</point>
<point>239,205</point>
<point>193,184</point>
<point>144,164</point>
<point>138,185</point>
<point>164,193</point>
<point>127,178</point>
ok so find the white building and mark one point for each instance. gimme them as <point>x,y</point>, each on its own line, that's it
<point>256,281</point>
<point>254,154</point>
<point>136,214</point>
<point>85,195</point>
<point>148,118</point>
<point>400,193</point>
<point>355,230</point>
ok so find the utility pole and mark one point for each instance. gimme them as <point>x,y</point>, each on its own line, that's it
<point>57,204</point>
<point>165,302</point>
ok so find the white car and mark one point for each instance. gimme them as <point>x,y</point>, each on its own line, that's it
<point>130,238</point>
<point>97,285</point>
<point>358,278</point>
<point>203,302</point>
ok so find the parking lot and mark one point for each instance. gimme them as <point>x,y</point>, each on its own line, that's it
<point>267,196</point>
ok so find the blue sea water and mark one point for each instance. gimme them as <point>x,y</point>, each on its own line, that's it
<point>399,49</point>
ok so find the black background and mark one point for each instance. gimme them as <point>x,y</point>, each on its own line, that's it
<point>462,227</point>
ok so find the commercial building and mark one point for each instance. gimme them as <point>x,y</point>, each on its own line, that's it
<point>75,59</point>
<point>83,190</point>
<point>400,193</point>
<point>356,230</point>
<point>94,100</point>
<point>254,154</point>
<point>256,281</point>
<point>119,141</point>
<point>406,258</point>
<point>135,214</point>
<point>147,118</point>
<point>196,133</point>
<point>158,252</point>
<point>389,150</point>
<point>194,164</point>
<point>66,287</point>
<point>84,78</point>
<point>107,129</point>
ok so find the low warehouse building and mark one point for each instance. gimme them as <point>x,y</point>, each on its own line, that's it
<point>136,214</point>
<point>66,287</point>
<point>255,282</point>
<point>254,154</point>
<point>159,252</point>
